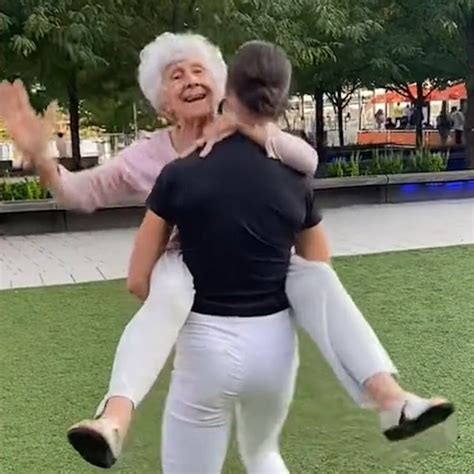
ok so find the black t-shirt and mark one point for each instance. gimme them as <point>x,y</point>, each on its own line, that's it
<point>238,213</point>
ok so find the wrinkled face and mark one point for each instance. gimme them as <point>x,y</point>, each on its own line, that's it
<point>188,91</point>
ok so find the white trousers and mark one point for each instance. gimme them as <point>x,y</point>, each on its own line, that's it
<point>320,305</point>
<point>223,366</point>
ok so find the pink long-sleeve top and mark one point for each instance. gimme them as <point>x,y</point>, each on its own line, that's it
<point>131,175</point>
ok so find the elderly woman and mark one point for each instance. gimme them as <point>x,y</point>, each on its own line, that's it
<point>183,76</point>
<point>237,351</point>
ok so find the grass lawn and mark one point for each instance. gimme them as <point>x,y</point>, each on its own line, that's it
<point>57,344</point>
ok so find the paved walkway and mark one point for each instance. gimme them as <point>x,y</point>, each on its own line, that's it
<point>54,259</point>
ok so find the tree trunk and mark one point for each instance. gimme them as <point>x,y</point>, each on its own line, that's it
<point>469,123</point>
<point>340,117</point>
<point>320,134</point>
<point>189,22</point>
<point>175,26</point>
<point>73,95</point>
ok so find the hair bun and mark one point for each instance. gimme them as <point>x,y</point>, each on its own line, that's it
<point>260,77</point>
<point>260,98</point>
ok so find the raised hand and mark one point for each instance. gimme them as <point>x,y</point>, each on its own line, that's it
<point>30,132</point>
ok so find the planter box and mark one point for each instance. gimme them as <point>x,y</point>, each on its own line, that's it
<point>34,205</point>
<point>339,192</point>
<point>45,216</point>
<point>430,186</point>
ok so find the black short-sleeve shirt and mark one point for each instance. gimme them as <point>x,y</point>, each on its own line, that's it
<point>238,213</point>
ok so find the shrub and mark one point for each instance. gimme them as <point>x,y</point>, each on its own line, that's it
<point>27,189</point>
<point>337,168</point>
<point>386,164</point>
<point>424,161</point>
<point>354,164</point>
<point>340,167</point>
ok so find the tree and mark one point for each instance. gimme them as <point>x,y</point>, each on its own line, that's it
<point>457,18</point>
<point>54,42</point>
<point>413,50</point>
<point>340,32</point>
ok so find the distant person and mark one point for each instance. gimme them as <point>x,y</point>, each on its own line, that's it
<point>416,117</point>
<point>61,145</point>
<point>390,124</point>
<point>443,125</point>
<point>457,120</point>
<point>398,113</point>
<point>379,119</point>
<point>407,112</point>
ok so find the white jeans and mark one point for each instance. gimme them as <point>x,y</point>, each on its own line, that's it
<point>320,305</point>
<point>223,366</point>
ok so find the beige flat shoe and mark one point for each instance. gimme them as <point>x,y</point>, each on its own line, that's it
<point>97,441</point>
<point>413,416</point>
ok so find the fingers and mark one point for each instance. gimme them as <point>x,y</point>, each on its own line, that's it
<point>50,117</point>
<point>21,94</point>
<point>188,151</point>
<point>208,148</point>
<point>195,146</point>
<point>8,100</point>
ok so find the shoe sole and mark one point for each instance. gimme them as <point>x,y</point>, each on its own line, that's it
<point>431,417</point>
<point>92,447</point>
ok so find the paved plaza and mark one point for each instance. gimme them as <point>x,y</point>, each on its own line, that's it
<point>55,259</point>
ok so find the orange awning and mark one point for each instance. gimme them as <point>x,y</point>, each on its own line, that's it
<point>456,92</point>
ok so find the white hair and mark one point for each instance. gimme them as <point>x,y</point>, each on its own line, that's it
<point>169,48</point>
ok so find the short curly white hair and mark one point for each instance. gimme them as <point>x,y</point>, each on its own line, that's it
<point>169,48</point>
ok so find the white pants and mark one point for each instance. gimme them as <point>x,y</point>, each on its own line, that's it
<point>320,305</point>
<point>223,366</point>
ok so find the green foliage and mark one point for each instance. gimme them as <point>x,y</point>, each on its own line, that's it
<point>425,161</point>
<point>421,161</point>
<point>341,167</point>
<point>26,189</point>
<point>391,163</point>
<point>337,168</point>
<point>335,45</point>
<point>354,164</point>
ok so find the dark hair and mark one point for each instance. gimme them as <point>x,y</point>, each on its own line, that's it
<point>260,77</point>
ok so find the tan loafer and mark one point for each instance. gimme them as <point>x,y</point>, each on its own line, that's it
<point>413,416</point>
<point>99,441</point>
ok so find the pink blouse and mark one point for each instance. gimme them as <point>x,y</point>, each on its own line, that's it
<point>130,176</point>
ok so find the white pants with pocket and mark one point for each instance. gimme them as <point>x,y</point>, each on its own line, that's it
<point>226,366</point>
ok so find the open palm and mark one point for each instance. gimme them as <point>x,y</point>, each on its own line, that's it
<point>30,131</point>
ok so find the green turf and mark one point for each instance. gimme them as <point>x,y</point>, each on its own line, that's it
<point>56,347</point>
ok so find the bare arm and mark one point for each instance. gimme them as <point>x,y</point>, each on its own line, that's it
<point>313,244</point>
<point>150,244</point>
<point>291,150</point>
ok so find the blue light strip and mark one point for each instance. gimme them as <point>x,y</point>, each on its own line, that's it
<point>441,187</point>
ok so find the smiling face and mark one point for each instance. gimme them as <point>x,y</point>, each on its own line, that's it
<point>189,91</point>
